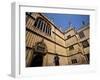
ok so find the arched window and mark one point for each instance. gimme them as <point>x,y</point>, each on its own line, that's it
<point>43,25</point>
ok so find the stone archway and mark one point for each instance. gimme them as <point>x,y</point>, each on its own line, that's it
<point>40,50</point>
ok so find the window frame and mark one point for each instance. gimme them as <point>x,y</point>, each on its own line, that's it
<point>81,34</point>
<point>43,25</point>
<point>85,44</point>
<point>71,47</point>
<point>74,61</point>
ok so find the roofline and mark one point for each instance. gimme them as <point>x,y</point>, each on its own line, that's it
<point>83,28</point>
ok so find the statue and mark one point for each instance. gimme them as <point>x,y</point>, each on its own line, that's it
<point>56,60</point>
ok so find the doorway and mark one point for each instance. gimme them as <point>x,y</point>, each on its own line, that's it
<point>39,51</point>
<point>37,60</point>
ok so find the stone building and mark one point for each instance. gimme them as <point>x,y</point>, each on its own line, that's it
<point>44,40</point>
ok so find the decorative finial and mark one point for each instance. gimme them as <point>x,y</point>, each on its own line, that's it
<point>69,23</point>
<point>60,28</point>
<point>83,22</point>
